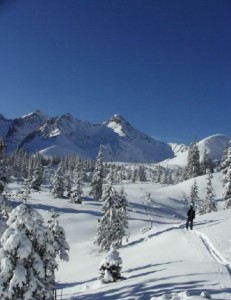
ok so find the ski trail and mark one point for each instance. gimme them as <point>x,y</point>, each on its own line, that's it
<point>217,256</point>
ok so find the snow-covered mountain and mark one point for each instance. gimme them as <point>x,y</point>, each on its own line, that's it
<point>178,148</point>
<point>67,135</point>
<point>213,144</point>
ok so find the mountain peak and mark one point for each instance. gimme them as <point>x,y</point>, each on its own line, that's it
<point>66,135</point>
<point>118,124</point>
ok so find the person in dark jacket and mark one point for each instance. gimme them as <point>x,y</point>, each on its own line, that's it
<point>190,217</point>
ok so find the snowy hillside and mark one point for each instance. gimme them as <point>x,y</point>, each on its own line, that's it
<point>161,259</point>
<point>178,148</point>
<point>213,144</point>
<point>67,135</point>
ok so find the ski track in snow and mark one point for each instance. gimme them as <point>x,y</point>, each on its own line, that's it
<point>217,256</point>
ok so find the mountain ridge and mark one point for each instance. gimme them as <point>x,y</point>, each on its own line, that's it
<point>67,135</point>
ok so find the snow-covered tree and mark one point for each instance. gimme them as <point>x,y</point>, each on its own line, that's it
<point>59,182</point>
<point>60,244</point>
<point>193,164</point>
<point>27,257</point>
<point>35,176</point>
<point>227,188</point>
<point>123,215</point>
<point>110,267</point>
<point>97,178</point>
<point>206,163</point>
<point>226,169</point>
<point>77,192</point>
<point>209,203</point>
<point>3,176</point>
<point>194,198</point>
<point>142,174</point>
<point>226,157</point>
<point>111,226</point>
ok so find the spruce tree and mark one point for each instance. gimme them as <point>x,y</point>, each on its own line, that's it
<point>60,244</point>
<point>76,193</point>
<point>193,164</point>
<point>110,267</point>
<point>111,224</point>
<point>97,178</point>
<point>206,163</point>
<point>209,204</point>
<point>227,188</point>
<point>226,158</point>
<point>59,182</point>
<point>226,169</point>
<point>194,198</point>
<point>27,257</point>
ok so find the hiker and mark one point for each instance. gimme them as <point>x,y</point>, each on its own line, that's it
<point>190,217</point>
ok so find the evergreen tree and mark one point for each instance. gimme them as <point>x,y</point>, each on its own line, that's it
<point>226,169</point>
<point>97,178</point>
<point>142,174</point>
<point>3,176</point>
<point>209,204</point>
<point>110,267</point>
<point>36,172</point>
<point>111,225</point>
<point>206,163</point>
<point>76,193</point>
<point>194,198</point>
<point>27,257</point>
<point>226,158</point>
<point>193,164</point>
<point>59,182</point>
<point>123,215</point>
<point>227,188</point>
<point>60,244</point>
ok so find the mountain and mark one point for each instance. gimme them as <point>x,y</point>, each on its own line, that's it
<point>66,135</point>
<point>213,144</point>
<point>178,148</point>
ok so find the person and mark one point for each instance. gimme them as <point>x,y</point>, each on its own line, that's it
<point>190,217</point>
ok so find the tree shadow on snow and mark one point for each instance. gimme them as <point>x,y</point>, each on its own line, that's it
<point>57,209</point>
<point>143,291</point>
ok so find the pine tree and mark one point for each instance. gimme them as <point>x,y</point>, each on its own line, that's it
<point>225,161</point>
<point>194,198</point>
<point>97,178</point>
<point>110,267</point>
<point>123,215</point>
<point>111,225</point>
<point>36,172</point>
<point>193,164</point>
<point>227,188</point>
<point>226,169</point>
<point>209,204</point>
<point>3,176</point>
<point>142,174</point>
<point>27,257</point>
<point>59,182</point>
<point>206,163</point>
<point>60,244</point>
<point>76,193</point>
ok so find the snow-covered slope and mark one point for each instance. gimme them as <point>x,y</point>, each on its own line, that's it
<point>21,127</point>
<point>161,260</point>
<point>213,144</point>
<point>67,135</point>
<point>178,148</point>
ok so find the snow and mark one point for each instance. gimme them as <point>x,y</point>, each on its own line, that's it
<point>161,260</point>
<point>214,145</point>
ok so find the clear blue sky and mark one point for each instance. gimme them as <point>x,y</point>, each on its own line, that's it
<point>164,65</point>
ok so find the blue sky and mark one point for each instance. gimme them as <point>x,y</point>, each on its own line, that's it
<point>164,65</point>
